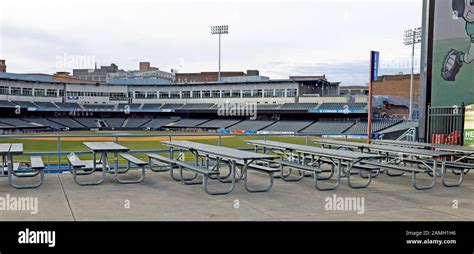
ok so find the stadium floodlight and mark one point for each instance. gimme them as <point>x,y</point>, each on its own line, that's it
<point>412,37</point>
<point>219,30</point>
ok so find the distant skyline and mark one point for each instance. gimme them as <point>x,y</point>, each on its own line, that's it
<point>279,38</point>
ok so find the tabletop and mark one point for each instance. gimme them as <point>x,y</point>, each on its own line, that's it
<point>443,147</point>
<point>336,154</point>
<point>219,150</point>
<point>386,148</point>
<point>8,148</point>
<point>105,146</point>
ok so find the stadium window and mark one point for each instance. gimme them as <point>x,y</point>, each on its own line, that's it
<point>206,94</point>
<point>279,92</point>
<point>151,95</point>
<point>268,93</point>
<point>246,93</point>
<point>140,95</point>
<point>164,95</point>
<point>226,94</point>
<point>51,93</point>
<point>39,92</point>
<point>291,92</point>
<point>257,93</point>
<point>236,94</point>
<point>15,91</point>
<point>27,91</point>
<point>174,94</point>
<point>196,94</point>
<point>186,94</point>
<point>4,90</point>
<point>216,94</point>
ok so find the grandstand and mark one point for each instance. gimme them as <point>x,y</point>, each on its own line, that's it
<point>197,106</point>
<point>115,122</point>
<point>360,128</point>
<point>251,125</point>
<point>88,122</point>
<point>134,123</point>
<point>45,122</point>
<point>328,128</point>
<point>186,123</point>
<point>158,123</point>
<point>68,122</point>
<point>342,106</point>
<point>298,106</point>
<point>288,126</point>
<point>219,123</point>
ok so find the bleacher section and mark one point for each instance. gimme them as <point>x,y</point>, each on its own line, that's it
<point>135,122</point>
<point>197,106</point>
<point>7,104</point>
<point>16,122</point>
<point>328,127</point>
<point>171,106</point>
<point>45,122</point>
<point>267,106</point>
<point>151,106</point>
<point>377,125</point>
<point>46,104</point>
<point>251,125</point>
<point>341,106</point>
<point>68,105</point>
<point>157,123</point>
<point>25,104</point>
<point>219,123</point>
<point>114,122</point>
<point>131,106</point>
<point>298,106</point>
<point>68,122</point>
<point>98,106</point>
<point>87,122</point>
<point>187,123</point>
<point>288,126</point>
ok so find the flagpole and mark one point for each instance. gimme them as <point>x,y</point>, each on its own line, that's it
<point>369,120</point>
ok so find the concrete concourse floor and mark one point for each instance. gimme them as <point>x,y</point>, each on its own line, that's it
<point>162,199</point>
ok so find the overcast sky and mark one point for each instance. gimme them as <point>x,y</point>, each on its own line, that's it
<point>279,38</point>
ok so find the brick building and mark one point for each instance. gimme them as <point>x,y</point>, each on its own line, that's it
<point>3,66</point>
<point>397,86</point>
<point>206,76</point>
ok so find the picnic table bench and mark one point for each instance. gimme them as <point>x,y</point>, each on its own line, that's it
<point>234,158</point>
<point>337,159</point>
<point>397,155</point>
<point>36,167</point>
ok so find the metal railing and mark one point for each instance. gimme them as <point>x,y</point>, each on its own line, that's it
<point>55,160</point>
<point>445,120</point>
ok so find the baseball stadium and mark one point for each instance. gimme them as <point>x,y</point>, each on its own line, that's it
<point>105,144</point>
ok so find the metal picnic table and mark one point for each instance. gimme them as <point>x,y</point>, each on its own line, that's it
<point>396,154</point>
<point>103,148</point>
<point>348,158</point>
<point>220,154</point>
<point>463,151</point>
<point>7,151</point>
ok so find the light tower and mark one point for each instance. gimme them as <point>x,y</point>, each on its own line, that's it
<point>412,37</point>
<point>219,30</point>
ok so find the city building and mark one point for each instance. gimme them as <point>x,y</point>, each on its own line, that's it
<point>145,75</point>
<point>354,90</point>
<point>207,76</point>
<point>3,66</point>
<point>98,75</point>
<point>397,86</point>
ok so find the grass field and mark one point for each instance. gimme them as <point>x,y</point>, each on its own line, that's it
<point>47,142</point>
